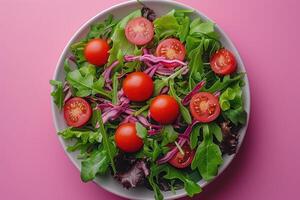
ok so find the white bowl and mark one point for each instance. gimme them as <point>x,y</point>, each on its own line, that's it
<point>119,11</point>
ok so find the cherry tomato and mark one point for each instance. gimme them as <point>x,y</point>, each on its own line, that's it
<point>139,31</point>
<point>77,112</point>
<point>205,107</point>
<point>223,62</point>
<point>127,139</point>
<point>138,86</point>
<point>164,109</point>
<point>171,49</point>
<point>96,52</point>
<point>183,160</point>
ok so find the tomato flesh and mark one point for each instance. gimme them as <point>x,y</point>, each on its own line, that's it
<point>139,31</point>
<point>183,160</point>
<point>164,109</point>
<point>205,107</point>
<point>223,62</point>
<point>96,52</point>
<point>171,49</point>
<point>138,86</point>
<point>77,112</point>
<point>127,139</point>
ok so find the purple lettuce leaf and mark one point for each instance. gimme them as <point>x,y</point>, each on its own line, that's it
<point>135,172</point>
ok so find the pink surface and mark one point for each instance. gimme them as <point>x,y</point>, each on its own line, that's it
<point>33,164</point>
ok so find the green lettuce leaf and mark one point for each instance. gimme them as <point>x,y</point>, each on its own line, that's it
<point>166,25</point>
<point>121,46</point>
<point>199,28</point>
<point>231,98</point>
<point>231,102</point>
<point>175,23</point>
<point>236,116</point>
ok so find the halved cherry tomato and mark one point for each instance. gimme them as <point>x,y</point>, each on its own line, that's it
<point>127,139</point>
<point>138,86</point>
<point>183,160</point>
<point>164,109</point>
<point>205,107</point>
<point>77,112</point>
<point>223,62</point>
<point>171,49</point>
<point>139,31</point>
<point>96,52</point>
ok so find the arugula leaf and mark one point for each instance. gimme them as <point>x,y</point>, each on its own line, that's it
<point>107,143</point>
<point>57,93</point>
<point>102,30</point>
<point>184,28</point>
<point>157,193</point>
<point>190,186</point>
<point>183,110</point>
<point>169,135</point>
<point>212,128</point>
<point>221,84</point>
<point>156,150</point>
<point>194,136</point>
<point>78,51</point>
<point>215,129</point>
<point>97,163</point>
<point>195,65</point>
<point>121,46</point>
<point>67,67</point>
<point>84,137</point>
<point>171,173</point>
<point>85,84</point>
<point>115,89</point>
<point>208,156</point>
<point>141,130</point>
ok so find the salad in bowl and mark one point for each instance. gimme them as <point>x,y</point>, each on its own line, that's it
<point>153,101</point>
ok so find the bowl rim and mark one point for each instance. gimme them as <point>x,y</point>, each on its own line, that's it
<point>246,89</point>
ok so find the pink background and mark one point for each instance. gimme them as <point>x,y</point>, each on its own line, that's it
<point>33,33</point>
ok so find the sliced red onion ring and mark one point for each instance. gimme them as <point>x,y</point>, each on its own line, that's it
<point>188,97</point>
<point>217,94</point>
<point>151,70</point>
<point>152,58</point>
<point>107,72</point>
<point>154,131</point>
<point>164,90</point>
<point>67,92</point>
